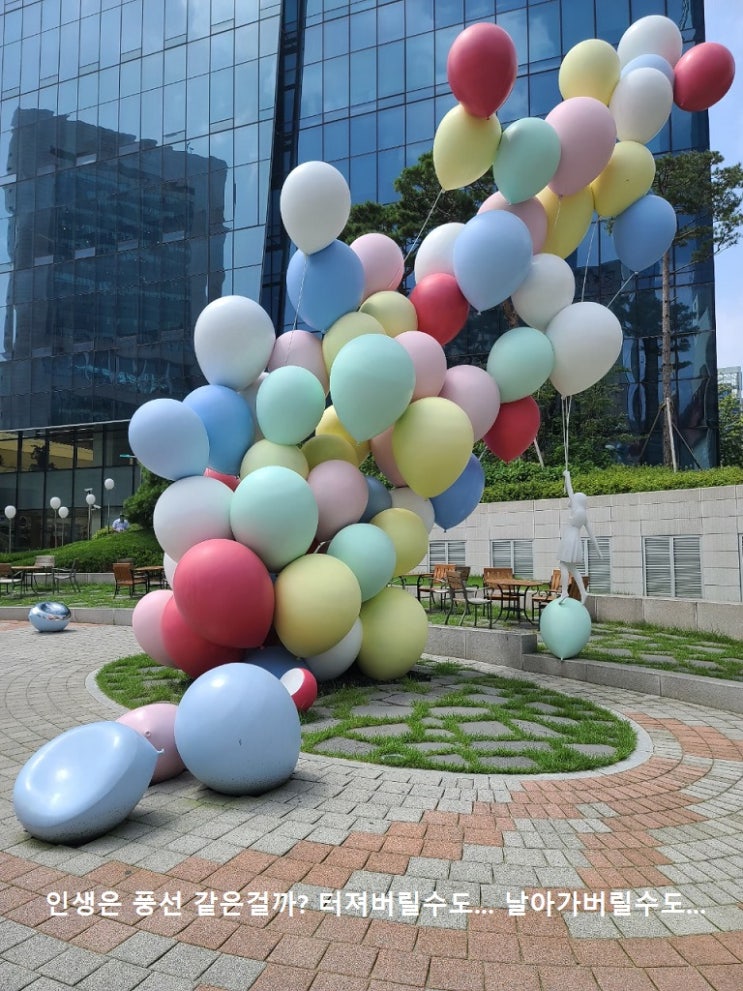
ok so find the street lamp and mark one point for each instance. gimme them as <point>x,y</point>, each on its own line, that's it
<point>63,514</point>
<point>55,502</point>
<point>9,516</point>
<point>90,499</point>
<point>108,485</point>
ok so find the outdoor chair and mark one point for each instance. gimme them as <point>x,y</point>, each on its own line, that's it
<point>495,587</point>
<point>124,579</point>
<point>67,576</point>
<point>434,583</point>
<point>468,599</point>
<point>540,599</point>
<point>43,572</point>
<point>574,591</point>
<point>8,580</point>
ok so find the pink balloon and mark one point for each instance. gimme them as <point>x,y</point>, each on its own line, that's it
<point>341,494</point>
<point>429,361</point>
<point>299,347</point>
<point>530,211</point>
<point>381,448</point>
<point>146,625</point>
<point>474,391</point>
<point>155,722</point>
<point>382,260</point>
<point>231,481</point>
<point>481,68</point>
<point>587,134</point>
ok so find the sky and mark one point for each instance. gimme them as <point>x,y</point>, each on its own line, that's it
<point>724,24</point>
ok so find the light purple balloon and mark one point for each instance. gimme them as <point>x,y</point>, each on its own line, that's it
<point>155,723</point>
<point>587,134</point>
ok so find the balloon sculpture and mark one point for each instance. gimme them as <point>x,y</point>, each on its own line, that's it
<point>279,550</point>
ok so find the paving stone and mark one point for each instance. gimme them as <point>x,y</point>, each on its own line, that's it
<point>142,948</point>
<point>448,760</point>
<point>459,710</point>
<point>709,665</point>
<point>508,763</point>
<point>490,746</point>
<point>537,729</point>
<point>340,745</point>
<point>185,960</point>
<point>388,729</point>
<point>430,746</point>
<point>488,727</point>
<point>34,952</point>
<point>378,710</point>
<point>233,973</point>
<point>73,964</point>
<point>593,749</point>
<point>13,977</point>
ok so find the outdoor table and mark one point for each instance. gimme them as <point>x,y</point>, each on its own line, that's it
<point>152,573</point>
<point>518,587</point>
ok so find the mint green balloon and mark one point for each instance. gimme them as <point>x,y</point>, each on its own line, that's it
<point>527,158</point>
<point>565,626</point>
<point>371,384</point>
<point>289,404</point>
<point>520,361</point>
<point>368,552</point>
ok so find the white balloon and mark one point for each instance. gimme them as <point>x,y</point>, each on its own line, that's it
<point>641,104</point>
<point>652,35</point>
<point>233,340</point>
<point>315,203</point>
<point>405,498</point>
<point>191,510</point>
<point>339,658</point>
<point>587,340</point>
<point>169,566</point>
<point>548,288</point>
<point>436,250</point>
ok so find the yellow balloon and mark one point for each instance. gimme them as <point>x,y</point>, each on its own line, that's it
<point>408,534</point>
<point>432,442</point>
<point>393,310</point>
<point>628,176</point>
<point>568,219</point>
<point>464,147</point>
<point>394,633</point>
<point>317,602</point>
<point>590,68</point>
<point>330,425</point>
<point>348,327</point>
<point>328,447</point>
<point>265,453</point>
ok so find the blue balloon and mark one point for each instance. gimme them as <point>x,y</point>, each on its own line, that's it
<point>650,61</point>
<point>492,257</point>
<point>276,660</point>
<point>379,499</point>
<point>462,497</point>
<point>565,626</point>
<point>237,730</point>
<point>169,439</point>
<point>229,425</point>
<point>84,782</point>
<point>325,285</point>
<point>644,232</point>
<point>49,617</point>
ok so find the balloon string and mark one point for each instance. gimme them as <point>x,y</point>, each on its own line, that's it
<point>301,291</point>
<point>566,404</point>
<point>629,278</point>
<point>425,224</point>
<point>588,258</point>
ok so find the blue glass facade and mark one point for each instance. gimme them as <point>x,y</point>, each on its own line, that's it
<point>143,144</point>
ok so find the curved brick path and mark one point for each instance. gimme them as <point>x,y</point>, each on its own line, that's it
<point>666,823</point>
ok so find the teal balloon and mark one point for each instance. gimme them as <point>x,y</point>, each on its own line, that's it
<point>273,512</point>
<point>371,383</point>
<point>289,404</point>
<point>565,626</point>
<point>527,158</point>
<point>368,552</point>
<point>520,361</point>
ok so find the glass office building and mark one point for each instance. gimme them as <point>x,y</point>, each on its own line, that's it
<point>143,144</point>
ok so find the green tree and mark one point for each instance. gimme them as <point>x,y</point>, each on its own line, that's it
<point>140,506</point>
<point>731,428</point>
<point>707,197</point>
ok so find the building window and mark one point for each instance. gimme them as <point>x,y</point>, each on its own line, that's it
<point>446,552</point>
<point>598,568</point>
<point>672,567</point>
<point>514,554</point>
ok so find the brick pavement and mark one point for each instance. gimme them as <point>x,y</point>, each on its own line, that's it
<point>666,822</point>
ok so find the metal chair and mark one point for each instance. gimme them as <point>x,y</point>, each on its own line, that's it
<point>66,575</point>
<point>9,580</point>
<point>436,584</point>
<point>459,593</point>
<point>540,599</point>
<point>495,587</point>
<point>43,571</point>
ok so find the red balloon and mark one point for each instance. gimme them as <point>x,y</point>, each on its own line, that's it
<point>224,591</point>
<point>302,686</point>
<point>481,68</point>
<point>702,76</point>
<point>231,481</point>
<point>187,649</point>
<point>442,309</point>
<point>515,427</point>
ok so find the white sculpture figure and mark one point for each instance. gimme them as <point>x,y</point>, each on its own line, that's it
<point>570,553</point>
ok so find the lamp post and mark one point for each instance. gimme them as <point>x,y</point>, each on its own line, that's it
<point>55,502</point>
<point>90,499</point>
<point>9,516</point>
<point>63,514</point>
<point>109,485</point>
